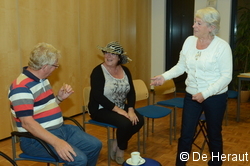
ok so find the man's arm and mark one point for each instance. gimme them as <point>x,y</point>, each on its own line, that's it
<point>63,149</point>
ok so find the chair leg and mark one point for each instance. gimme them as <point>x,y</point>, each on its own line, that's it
<point>226,116</point>
<point>170,128</point>
<point>147,126</point>
<point>202,147</point>
<point>144,134</point>
<point>202,130</point>
<point>175,112</point>
<point>8,158</point>
<point>108,144</point>
<point>153,124</point>
<point>83,116</point>
<point>113,133</point>
<point>138,141</point>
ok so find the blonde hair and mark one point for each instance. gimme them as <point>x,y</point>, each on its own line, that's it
<point>211,16</point>
<point>43,54</point>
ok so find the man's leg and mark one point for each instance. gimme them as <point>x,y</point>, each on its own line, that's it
<point>84,144</point>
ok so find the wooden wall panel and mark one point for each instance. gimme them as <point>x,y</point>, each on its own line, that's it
<point>128,32</point>
<point>143,40</point>
<point>76,28</point>
<point>54,22</point>
<point>99,25</point>
<point>135,34</point>
<point>10,59</point>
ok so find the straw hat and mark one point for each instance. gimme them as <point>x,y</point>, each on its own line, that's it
<point>115,48</point>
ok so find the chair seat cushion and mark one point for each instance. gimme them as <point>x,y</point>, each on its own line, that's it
<point>152,111</point>
<point>175,102</point>
<point>202,117</point>
<point>100,124</point>
<point>232,94</point>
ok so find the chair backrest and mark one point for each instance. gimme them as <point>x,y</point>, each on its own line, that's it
<point>13,122</point>
<point>86,92</point>
<point>141,90</point>
<point>166,88</point>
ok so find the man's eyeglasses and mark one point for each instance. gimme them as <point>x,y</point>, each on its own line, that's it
<point>56,66</point>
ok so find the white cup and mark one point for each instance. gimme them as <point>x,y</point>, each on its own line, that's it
<point>135,157</point>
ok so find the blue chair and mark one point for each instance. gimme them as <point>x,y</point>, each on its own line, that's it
<point>232,94</point>
<point>86,93</point>
<point>15,135</point>
<point>150,111</point>
<point>176,102</point>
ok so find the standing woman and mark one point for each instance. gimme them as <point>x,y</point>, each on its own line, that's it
<point>112,98</point>
<point>207,60</point>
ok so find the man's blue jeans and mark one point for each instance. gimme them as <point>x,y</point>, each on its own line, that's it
<point>214,108</point>
<point>85,146</point>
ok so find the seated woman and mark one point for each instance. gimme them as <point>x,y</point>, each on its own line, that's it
<point>112,98</point>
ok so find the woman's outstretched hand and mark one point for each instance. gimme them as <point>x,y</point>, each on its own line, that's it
<point>157,80</point>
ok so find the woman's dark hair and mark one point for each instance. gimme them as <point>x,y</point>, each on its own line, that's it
<point>120,60</point>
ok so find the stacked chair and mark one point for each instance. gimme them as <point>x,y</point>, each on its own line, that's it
<point>150,111</point>
<point>175,102</point>
<point>202,129</point>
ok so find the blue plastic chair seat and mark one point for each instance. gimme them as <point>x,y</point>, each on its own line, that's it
<point>152,111</point>
<point>232,94</point>
<point>100,124</point>
<point>175,102</point>
<point>202,117</point>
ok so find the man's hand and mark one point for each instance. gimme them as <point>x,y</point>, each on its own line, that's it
<point>65,91</point>
<point>64,150</point>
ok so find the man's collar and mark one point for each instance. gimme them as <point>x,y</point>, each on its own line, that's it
<point>30,75</point>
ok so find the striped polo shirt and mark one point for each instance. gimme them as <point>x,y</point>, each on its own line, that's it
<point>31,96</point>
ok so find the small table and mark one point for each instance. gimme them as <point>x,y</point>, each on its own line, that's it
<point>149,162</point>
<point>241,77</point>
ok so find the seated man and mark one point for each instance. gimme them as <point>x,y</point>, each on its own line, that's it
<point>36,110</point>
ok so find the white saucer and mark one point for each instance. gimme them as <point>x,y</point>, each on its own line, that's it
<point>130,163</point>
